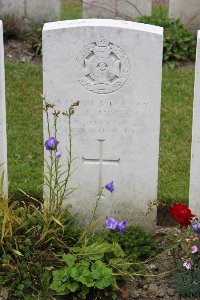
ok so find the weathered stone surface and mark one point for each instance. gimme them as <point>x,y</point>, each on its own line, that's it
<point>116,9</point>
<point>114,69</point>
<point>194,194</point>
<point>28,13</point>
<point>3,144</point>
<point>12,8</point>
<point>188,11</point>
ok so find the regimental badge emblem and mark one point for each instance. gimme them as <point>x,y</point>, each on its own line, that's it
<point>102,67</point>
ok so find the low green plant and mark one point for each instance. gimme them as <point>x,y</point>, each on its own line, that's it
<point>179,43</point>
<point>86,269</point>
<point>32,249</point>
<point>33,236</point>
<point>187,282</point>
<point>135,242</point>
<point>36,39</point>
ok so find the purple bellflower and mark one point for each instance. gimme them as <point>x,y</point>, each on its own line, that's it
<point>58,154</point>
<point>196,227</point>
<point>110,187</point>
<point>111,223</point>
<point>121,226</point>
<point>51,143</point>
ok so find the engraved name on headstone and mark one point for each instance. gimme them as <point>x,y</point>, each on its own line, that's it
<point>114,69</point>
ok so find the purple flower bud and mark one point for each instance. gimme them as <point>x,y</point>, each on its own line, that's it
<point>51,143</point>
<point>187,265</point>
<point>121,226</point>
<point>196,227</point>
<point>195,249</point>
<point>111,223</point>
<point>109,186</point>
<point>58,154</point>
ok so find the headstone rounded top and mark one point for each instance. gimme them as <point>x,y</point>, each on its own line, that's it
<point>104,23</point>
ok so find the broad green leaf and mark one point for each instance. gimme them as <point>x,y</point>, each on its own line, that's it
<point>118,250</point>
<point>73,287</point>
<point>94,251</point>
<point>102,275</point>
<point>81,273</point>
<point>75,249</point>
<point>61,274</point>
<point>119,263</point>
<point>69,259</point>
<point>60,288</point>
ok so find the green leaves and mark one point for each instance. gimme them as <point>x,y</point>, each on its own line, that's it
<point>88,274</point>
<point>117,250</point>
<point>187,282</point>
<point>86,269</point>
<point>59,281</point>
<point>94,251</point>
<point>81,273</point>
<point>135,243</point>
<point>69,259</point>
<point>179,44</point>
<point>102,275</point>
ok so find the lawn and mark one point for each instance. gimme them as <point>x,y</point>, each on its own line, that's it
<point>175,134</point>
<point>71,10</point>
<point>24,127</point>
<point>24,123</point>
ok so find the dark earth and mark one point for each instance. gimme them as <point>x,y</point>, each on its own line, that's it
<point>156,286</point>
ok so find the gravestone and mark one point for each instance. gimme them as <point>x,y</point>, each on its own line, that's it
<point>116,9</point>
<point>188,11</point>
<point>114,69</point>
<point>29,13</point>
<point>3,145</point>
<point>194,194</point>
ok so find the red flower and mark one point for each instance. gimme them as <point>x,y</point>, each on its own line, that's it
<point>182,214</point>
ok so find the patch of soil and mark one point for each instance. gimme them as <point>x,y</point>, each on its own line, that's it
<point>20,50</point>
<point>159,284</point>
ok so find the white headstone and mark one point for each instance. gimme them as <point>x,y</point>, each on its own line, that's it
<point>116,9</point>
<point>114,69</point>
<point>29,13</point>
<point>188,11</point>
<point>3,144</point>
<point>194,194</point>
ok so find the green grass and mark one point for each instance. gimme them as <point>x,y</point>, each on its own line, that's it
<point>24,127</point>
<point>25,141</point>
<point>175,136</point>
<point>71,10</point>
<point>160,10</point>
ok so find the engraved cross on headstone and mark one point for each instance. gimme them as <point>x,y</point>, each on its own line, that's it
<point>101,161</point>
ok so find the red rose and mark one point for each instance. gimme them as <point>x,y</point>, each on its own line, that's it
<point>182,214</point>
